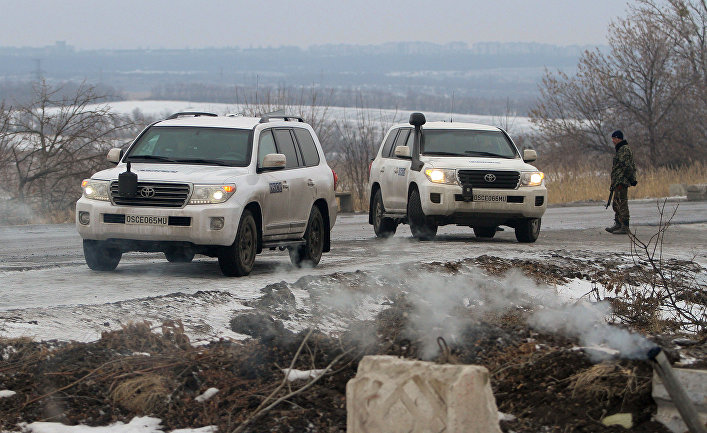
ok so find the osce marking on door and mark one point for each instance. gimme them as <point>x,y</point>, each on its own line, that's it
<point>275,187</point>
<point>400,171</point>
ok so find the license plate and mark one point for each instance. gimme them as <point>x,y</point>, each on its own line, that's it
<point>491,198</point>
<point>146,220</point>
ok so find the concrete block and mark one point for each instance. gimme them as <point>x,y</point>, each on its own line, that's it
<point>697,192</point>
<point>395,395</point>
<point>695,384</point>
<point>677,189</point>
<point>345,201</point>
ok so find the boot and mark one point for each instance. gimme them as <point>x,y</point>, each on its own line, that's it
<point>622,230</point>
<point>616,226</point>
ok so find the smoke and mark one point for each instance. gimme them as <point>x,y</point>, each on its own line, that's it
<point>445,304</point>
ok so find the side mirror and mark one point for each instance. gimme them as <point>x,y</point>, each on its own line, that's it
<point>402,151</point>
<point>529,155</point>
<point>274,161</point>
<point>114,155</point>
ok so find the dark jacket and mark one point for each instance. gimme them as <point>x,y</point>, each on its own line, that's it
<point>623,169</point>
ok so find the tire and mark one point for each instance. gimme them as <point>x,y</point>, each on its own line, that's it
<point>99,256</point>
<point>310,253</point>
<point>485,232</point>
<point>237,259</point>
<point>382,226</point>
<point>179,255</point>
<point>528,230</point>
<point>420,226</point>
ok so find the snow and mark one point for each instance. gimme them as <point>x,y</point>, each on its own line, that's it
<point>4,393</point>
<point>294,374</point>
<point>143,424</point>
<point>338,114</point>
<point>206,395</point>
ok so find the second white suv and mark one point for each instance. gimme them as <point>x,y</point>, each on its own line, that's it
<point>454,173</point>
<point>222,186</point>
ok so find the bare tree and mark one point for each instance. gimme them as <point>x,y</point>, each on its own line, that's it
<point>6,114</point>
<point>359,140</point>
<point>641,86</point>
<point>56,140</point>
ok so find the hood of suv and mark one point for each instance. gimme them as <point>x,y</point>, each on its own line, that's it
<point>476,163</point>
<point>206,174</point>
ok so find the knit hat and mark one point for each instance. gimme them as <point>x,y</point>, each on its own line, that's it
<point>617,134</point>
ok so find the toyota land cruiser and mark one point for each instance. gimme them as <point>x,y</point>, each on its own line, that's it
<point>454,173</point>
<point>222,186</point>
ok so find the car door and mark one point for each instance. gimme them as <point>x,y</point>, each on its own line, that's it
<point>277,196</point>
<point>295,178</point>
<point>396,174</point>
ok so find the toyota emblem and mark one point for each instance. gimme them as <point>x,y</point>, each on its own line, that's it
<point>147,192</point>
<point>490,177</point>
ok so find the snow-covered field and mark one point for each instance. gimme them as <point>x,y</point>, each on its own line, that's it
<point>385,117</point>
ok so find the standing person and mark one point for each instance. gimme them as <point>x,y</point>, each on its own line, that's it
<point>623,175</point>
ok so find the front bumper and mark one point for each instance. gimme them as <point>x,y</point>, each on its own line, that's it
<point>447,201</point>
<point>189,224</point>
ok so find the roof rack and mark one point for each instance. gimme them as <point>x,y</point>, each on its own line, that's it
<point>279,114</point>
<point>191,113</point>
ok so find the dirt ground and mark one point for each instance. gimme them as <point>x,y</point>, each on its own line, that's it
<point>538,377</point>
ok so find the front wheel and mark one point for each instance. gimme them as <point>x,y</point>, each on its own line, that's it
<point>420,226</point>
<point>528,230</point>
<point>311,252</point>
<point>382,226</point>
<point>99,256</point>
<point>237,259</point>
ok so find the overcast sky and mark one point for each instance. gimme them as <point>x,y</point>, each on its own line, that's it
<point>88,24</point>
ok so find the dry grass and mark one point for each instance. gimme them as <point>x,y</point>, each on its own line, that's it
<point>587,184</point>
<point>145,394</point>
<point>605,381</point>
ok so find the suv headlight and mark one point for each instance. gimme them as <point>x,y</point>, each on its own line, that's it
<point>96,189</point>
<point>211,194</point>
<point>532,178</point>
<point>441,175</point>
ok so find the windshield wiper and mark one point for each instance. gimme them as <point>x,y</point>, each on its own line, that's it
<point>477,152</point>
<point>205,161</point>
<point>152,157</point>
<point>442,153</point>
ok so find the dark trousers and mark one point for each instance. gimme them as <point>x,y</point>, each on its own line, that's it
<point>620,205</point>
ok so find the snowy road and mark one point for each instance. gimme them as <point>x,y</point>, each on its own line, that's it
<point>46,290</point>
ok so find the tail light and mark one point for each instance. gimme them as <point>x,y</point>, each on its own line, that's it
<point>369,168</point>
<point>336,178</point>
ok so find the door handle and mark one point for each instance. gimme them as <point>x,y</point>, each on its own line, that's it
<point>310,182</point>
<point>382,169</point>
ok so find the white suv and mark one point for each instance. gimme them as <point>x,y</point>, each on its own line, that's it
<point>454,173</point>
<point>222,186</point>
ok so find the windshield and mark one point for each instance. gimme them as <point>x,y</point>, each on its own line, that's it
<point>192,145</point>
<point>464,142</point>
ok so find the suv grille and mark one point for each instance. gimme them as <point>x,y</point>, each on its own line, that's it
<point>489,178</point>
<point>165,194</point>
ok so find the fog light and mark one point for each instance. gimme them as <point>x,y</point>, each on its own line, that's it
<point>84,218</point>
<point>216,223</point>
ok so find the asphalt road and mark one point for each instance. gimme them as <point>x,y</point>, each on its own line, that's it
<point>44,280</point>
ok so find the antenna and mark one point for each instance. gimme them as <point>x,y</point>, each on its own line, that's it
<point>451,112</point>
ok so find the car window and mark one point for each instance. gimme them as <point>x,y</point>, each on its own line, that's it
<point>307,147</point>
<point>402,138</point>
<point>266,146</point>
<point>388,145</point>
<point>469,143</point>
<point>187,144</point>
<point>286,146</point>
